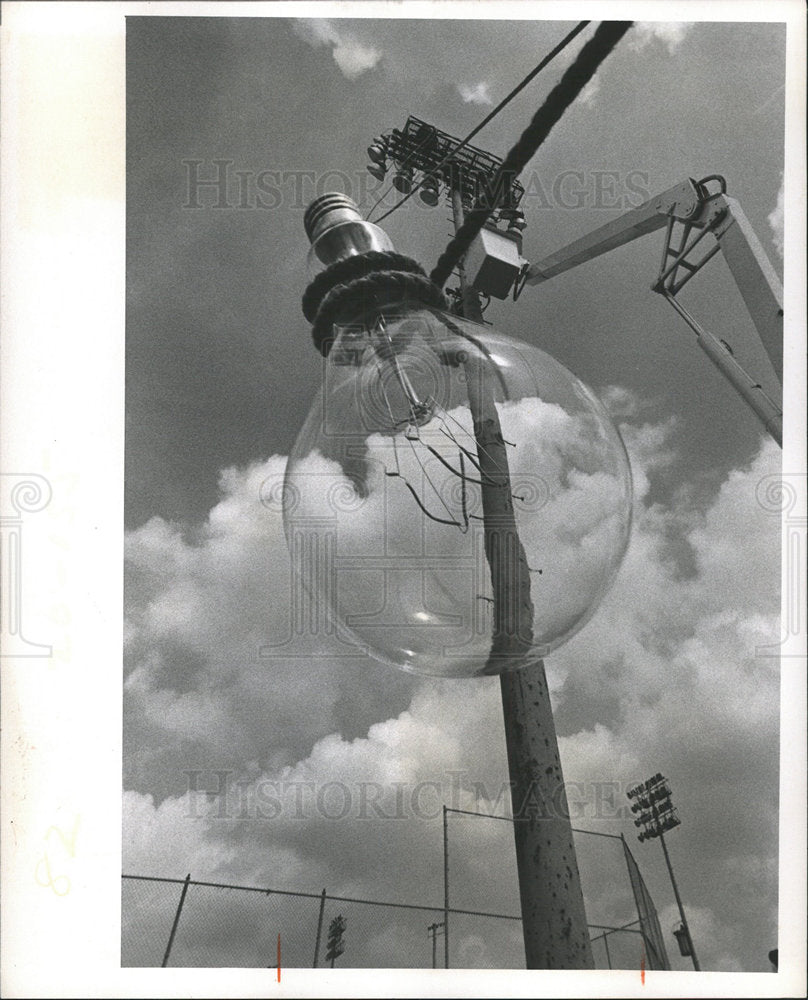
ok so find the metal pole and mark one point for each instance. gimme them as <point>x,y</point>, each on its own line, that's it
<point>445,889</point>
<point>319,930</point>
<point>606,946</point>
<point>685,924</point>
<point>553,915</point>
<point>176,919</point>
<point>468,296</point>
<point>433,930</point>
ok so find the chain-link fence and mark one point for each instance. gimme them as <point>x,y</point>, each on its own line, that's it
<point>193,923</point>
<point>622,919</point>
<point>189,923</point>
<point>214,925</point>
<point>648,919</point>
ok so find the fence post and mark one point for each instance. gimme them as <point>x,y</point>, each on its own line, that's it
<point>445,889</point>
<point>176,920</point>
<point>319,930</point>
<point>606,946</point>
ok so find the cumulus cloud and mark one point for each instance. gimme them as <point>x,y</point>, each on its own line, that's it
<point>477,93</point>
<point>222,658</point>
<point>330,766</point>
<point>671,34</point>
<point>352,56</point>
<point>620,402</point>
<point>776,218</point>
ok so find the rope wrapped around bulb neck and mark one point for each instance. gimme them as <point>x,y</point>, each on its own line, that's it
<point>359,283</point>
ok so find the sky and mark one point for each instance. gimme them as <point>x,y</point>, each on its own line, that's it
<point>221,692</point>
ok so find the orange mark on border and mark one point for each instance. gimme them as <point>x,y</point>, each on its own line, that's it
<point>642,965</point>
<point>279,958</point>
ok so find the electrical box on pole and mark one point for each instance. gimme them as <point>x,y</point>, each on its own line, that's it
<point>682,939</point>
<point>493,261</point>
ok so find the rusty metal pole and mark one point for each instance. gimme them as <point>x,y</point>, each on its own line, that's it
<point>553,914</point>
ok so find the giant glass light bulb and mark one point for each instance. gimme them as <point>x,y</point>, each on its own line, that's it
<point>469,498</point>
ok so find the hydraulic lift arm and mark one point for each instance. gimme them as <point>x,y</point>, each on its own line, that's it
<point>688,212</point>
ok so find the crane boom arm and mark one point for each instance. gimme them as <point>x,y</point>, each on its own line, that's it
<point>681,201</point>
<point>692,207</point>
<point>756,279</point>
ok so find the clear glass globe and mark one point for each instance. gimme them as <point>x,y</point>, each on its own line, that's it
<point>469,499</point>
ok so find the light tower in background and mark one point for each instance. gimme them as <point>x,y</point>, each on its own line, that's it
<point>656,814</point>
<point>432,930</point>
<point>336,944</point>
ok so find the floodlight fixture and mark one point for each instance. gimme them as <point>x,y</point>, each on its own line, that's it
<point>402,181</point>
